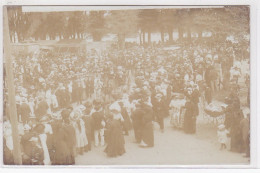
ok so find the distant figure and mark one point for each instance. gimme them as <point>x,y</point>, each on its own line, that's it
<point>245,129</point>
<point>147,126</point>
<point>208,95</point>
<point>115,138</point>
<point>189,118</point>
<point>222,136</point>
<point>137,117</point>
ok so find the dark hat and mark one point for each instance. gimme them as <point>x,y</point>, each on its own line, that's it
<point>87,104</point>
<point>39,128</point>
<point>227,100</point>
<point>65,114</point>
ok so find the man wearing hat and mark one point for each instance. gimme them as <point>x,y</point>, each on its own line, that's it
<point>25,111</point>
<point>41,108</point>
<point>62,96</point>
<point>159,110</point>
<point>32,147</point>
<point>98,127</point>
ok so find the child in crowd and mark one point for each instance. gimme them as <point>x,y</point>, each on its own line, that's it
<point>222,136</point>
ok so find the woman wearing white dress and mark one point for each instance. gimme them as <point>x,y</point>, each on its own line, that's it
<point>79,126</point>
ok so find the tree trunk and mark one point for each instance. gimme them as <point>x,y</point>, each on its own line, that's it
<point>140,38</point>
<point>200,34</point>
<point>180,30</point>
<point>143,38</point>
<point>170,35</point>
<point>162,36</point>
<point>189,34</point>
<point>96,37</point>
<point>149,37</point>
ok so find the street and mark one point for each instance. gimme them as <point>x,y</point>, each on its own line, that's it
<point>173,147</point>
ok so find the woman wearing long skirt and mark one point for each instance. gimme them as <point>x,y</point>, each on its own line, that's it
<point>188,117</point>
<point>115,139</point>
<point>147,128</point>
<point>64,141</point>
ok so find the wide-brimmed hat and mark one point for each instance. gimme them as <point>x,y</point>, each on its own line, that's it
<point>115,107</point>
<point>45,118</point>
<point>158,95</point>
<point>221,126</point>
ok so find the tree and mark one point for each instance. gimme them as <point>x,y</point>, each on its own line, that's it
<point>223,22</point>
<point>96,25</point>
<point>76,24</point>
<point>148,22</point>
<point>122,23</point>
<point>184,21</point>
<point>18,22</point>
<point>167,21</point>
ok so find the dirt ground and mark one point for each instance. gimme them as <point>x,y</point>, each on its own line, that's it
<point>173,147</point>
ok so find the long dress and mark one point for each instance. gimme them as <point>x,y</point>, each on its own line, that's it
<point>137,117</point>
<point>65,143</point>
<point>235,132</point>
<point>159,111</point>
<point>147,128</point>
<point>88,128</point>
<point>127,122</point>
<point>115,144</point>
<point>188,118</point>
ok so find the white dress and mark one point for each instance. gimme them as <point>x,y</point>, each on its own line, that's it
<point>81,138</point>
<point>8,135</point>
<point>222,136</point>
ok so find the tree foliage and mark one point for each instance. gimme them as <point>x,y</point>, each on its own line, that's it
<point>122,23</point>
<point>221,22</point>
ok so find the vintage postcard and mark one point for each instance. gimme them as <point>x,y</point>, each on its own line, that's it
<point>129,85</point>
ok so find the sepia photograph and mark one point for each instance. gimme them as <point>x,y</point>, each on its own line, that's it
<point>137,85</point>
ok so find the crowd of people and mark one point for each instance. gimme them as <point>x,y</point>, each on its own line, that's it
<point>68,103</point>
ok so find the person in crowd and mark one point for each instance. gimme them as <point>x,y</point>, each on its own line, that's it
<point>158,108</point>
<point>41,108</point>
<point>62,96</point>
<point>7,142</point>
<point>80,133</point>
<point>65,142</point>
<point>208,95</point>
<point>97,115</point>
<point>115,142</point>
<point>188,116</point>
<point>137,117</point>
<point>222,136</point>
<point>235,131</point>
<point>127,121</point>
<point>245,130</point>
<point>25,111</point>
<point>32,146</point>
<point>195,101</point>
<point>228,113</point>
<point>88,125</point>
<point>147,126</point>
